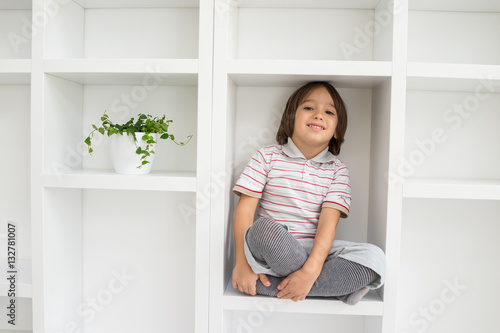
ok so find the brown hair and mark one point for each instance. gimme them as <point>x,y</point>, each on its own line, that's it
<point>288,118</point>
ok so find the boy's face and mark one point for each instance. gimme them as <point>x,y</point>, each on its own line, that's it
<point>315,120</point>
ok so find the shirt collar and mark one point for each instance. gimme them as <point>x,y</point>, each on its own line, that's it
<point>291,150</point>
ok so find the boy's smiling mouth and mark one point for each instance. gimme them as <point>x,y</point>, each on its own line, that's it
<point>315,126</point>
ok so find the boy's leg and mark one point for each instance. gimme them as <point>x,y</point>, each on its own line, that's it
<point>272,244</point>
<point>339,278</point>
<point>344,279</point>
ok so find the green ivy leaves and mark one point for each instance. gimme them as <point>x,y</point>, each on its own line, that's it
<point>144,123</point>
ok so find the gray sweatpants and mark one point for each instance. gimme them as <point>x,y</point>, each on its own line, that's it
<point>272,250</point>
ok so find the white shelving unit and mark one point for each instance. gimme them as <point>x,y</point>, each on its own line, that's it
<point>115,253</point>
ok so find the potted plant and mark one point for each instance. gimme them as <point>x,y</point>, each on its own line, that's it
<point>133,143</point>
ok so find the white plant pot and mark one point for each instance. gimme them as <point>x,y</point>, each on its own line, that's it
<point>123,155</point>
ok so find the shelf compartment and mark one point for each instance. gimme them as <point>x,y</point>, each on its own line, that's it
<point>448,134</point>
<point>452,36</point>
<point>74,107</point>
<point>295,72</point>
<point>451,189</point>
<point>150,29</point>
<point>444,237</point>
<point>15,29</point>
<point>107,179</point>
<point>370,305</point>
<point>251,118</point>
<point>119,245</point>
<point>363,31</point>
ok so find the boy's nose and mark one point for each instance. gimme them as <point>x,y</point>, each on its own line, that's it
<point>318,116</point>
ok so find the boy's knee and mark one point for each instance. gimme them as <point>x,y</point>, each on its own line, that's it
<point>264,224</point>
<point>261,229</point>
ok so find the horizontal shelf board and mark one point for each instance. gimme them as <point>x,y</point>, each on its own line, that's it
<point>22,290</point>
<point>313,67</point>
<point>370,305</point>
<point>453,71</point>
<point>14,78</point>
<point>452,77</point>
<point>363,4</point>
<point>456,5</point>
<point>292,72</point>
<point>15,65</point>
<point>130,79</point>
<point>452,189</point>
<point>125,71</point>
<point>136,3</point>
<point>107,179</point>
<point>161,66</point>
<point>15,4</point>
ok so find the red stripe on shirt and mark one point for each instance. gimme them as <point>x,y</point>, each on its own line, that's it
<point>263,174</point>
<point>342,192</point>
<point>280,204</point>
<point>294,189</point>
<point>294,198</point>
<point>300,181</point>
<point>244,174</point>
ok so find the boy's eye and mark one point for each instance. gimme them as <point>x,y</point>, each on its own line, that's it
<point>330,113</point>
<point>309,108</point>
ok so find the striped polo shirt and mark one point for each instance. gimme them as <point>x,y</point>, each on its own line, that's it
<point>292,190</point>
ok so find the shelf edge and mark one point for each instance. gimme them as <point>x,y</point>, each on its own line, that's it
<point>15,66</point>
<point>22,290</point>
<point>441,189</point>
<point>160,66</point>
<point>371,305</point>
<point>151,182</point>
<point>310,67</point>
<point>452,71</point>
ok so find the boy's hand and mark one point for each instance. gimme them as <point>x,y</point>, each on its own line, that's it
<point>296,286</point>
<point>244,279</point>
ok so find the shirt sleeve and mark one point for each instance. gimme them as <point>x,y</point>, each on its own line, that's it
<point>339,193</point>
<point>254,178</point>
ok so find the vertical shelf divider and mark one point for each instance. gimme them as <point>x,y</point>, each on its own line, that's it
<point>396,149</point>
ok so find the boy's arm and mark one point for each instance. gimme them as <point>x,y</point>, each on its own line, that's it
<point>244,279</point>
<point>297,285</point>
